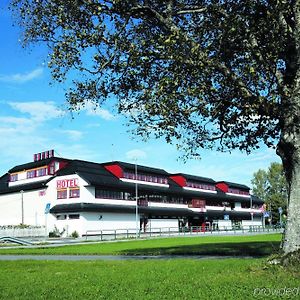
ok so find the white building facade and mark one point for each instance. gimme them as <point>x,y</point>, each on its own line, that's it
<point>86,197</point>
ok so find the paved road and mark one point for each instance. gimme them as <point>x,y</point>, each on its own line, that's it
<point>111,257</point>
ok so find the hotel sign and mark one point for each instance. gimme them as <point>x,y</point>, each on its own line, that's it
<point>66,183</point>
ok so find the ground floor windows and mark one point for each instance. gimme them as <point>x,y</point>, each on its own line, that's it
<point>70,217</point>
<point>74,216</point>
<point>61,217</point>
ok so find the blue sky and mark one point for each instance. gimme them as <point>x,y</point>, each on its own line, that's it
<point>34,118</point>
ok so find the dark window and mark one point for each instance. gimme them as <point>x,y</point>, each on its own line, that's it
<point>109,194</point>
<point>13,177</point>
<point>237,191</point>
<point>74,193</point>
<point>41,172</point>
<point>202,186</point>
<point>62,194</point>
<point>74,216</point>
<point>31,174</point>
<point>61,217</point>
<point>145,177</point>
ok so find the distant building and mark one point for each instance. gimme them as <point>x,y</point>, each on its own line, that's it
<point>80,195</point>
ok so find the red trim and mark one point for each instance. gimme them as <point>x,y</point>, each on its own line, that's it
<point>62,164</point>
<point>115,170</point>
<point>222,186</point>
<point>180,180</point>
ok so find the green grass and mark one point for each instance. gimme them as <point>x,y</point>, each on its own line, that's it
<point>158,279</point>
<point>256,245</point>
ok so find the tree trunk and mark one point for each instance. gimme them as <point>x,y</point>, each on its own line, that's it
<point>289,150</point>
<point>292,231</point>
<point>289,145</point>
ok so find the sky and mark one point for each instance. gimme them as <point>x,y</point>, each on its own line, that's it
<point>34,118</point>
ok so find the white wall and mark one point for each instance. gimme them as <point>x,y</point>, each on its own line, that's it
<point>164,224</point>
<point>224,224</point>
<point>108,221</point>
<point>68,226</point>
<point>34,208</point>
<point>257,221</point>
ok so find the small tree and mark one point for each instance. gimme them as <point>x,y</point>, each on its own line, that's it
<point>271,187</point>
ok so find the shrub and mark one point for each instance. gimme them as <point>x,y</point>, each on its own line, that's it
<point>75,234</point>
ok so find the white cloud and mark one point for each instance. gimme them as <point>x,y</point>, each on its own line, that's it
<point>100,112</point>
<point>22,78</point>
<point>136,154</point>
<point>73,135</point>
<point>92,110</point>
<point>38,110</point>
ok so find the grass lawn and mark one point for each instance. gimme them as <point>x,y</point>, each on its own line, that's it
<point>162,279</point>
<point>255,245</point>
<point>238,278</point>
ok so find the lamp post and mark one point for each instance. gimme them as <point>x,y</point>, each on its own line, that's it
<point>136,203</point>
<point>22,207</point>
<point>251,210</point>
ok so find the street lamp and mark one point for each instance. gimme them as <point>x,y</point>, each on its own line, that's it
<point>22,207</point>
<point>136,203</point>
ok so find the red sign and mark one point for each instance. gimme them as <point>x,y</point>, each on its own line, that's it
<point>66,183</point>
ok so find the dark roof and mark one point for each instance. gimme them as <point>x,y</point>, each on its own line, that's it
<point>256,200</point>
<point>235,185</point>
<point>195,178</point>
<point>36,164</point>
<point>150,211</point>
<point>140,168</point>
<point>96,175</point>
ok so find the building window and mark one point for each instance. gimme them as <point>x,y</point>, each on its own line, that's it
<point>145,177</point>
<point>238,192</point>
<point>74,193</point>
<point>109,194</point>
<point>74,216</point>
<point>31,174</point>
<point>62,194</point>
<point>201,186</point>
<point>41,172</point>
<point>13,177</point>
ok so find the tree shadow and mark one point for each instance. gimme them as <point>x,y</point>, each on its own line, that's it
<point>257,249</point>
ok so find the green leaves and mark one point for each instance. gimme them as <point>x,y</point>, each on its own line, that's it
<point>205,73</point>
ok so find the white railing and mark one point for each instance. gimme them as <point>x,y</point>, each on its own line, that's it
<point>23,232</point>
<point>174,231</point>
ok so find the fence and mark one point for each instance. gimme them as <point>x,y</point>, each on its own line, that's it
<point>23,232</point>
<point>174,231</point>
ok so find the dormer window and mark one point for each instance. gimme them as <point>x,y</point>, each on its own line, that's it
<point>13,177</point>
<point>238,192</point>
<point>201,186</point>
<point>31,174</point>
<point>144,177</point>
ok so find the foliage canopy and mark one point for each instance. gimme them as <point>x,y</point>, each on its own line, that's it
<point>207,73</point>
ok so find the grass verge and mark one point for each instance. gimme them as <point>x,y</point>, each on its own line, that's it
<point>256,245</point>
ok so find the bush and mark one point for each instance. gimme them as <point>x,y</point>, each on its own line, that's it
<point>55,232</point>
<point>75,234</point>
